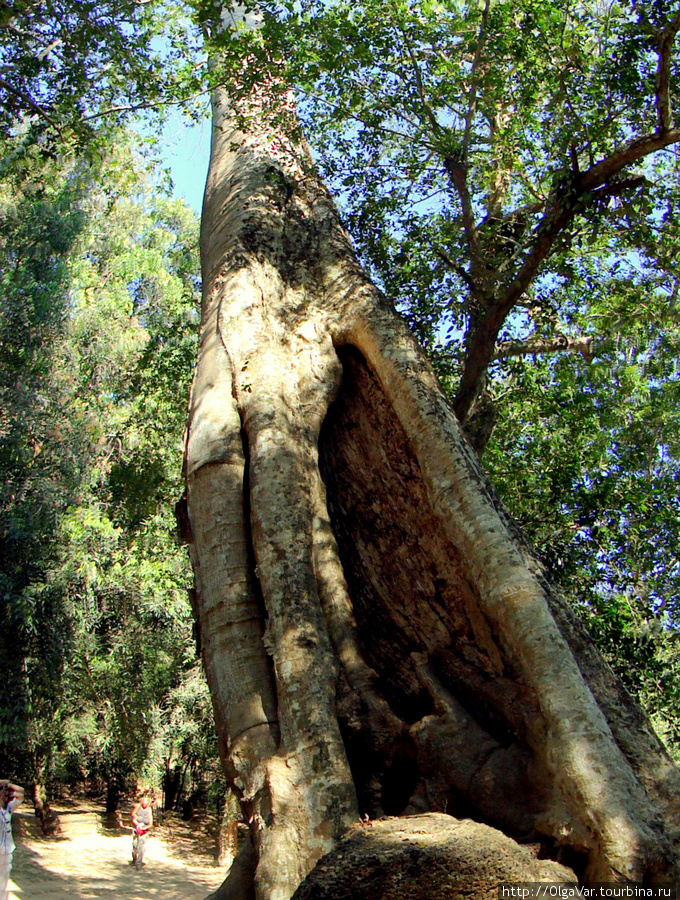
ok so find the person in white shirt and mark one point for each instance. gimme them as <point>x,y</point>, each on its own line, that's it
<point>11,795</point>
<point>142,823</point>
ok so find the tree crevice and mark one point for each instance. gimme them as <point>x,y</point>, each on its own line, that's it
<point>428,641</point>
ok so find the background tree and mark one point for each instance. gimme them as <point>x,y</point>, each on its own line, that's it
<point>100,272</point>
<point>40,475</point>
<point>99,635</point>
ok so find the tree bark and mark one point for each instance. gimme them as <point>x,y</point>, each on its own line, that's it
<point>375,637</point>
<point>227,838</point>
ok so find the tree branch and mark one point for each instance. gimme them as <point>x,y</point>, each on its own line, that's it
<point>500,175</point>
<point>559,344</point>
<point>150,105</point>
<point>563,209</point>
<point>481,38</point>
<point>569,199</point>
<point>627,154</point>
<point>529,209</point>
<point>457,171</point>
<point>456,163</point>
<point>663,39</point>
<point>429,112</point>
<point>47,50</point>
<point>30,102</point>
<point>663,98</point>
<point>318,98</point>
<point>459,270</point>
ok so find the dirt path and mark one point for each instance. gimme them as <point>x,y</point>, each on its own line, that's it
<point>91,860</point>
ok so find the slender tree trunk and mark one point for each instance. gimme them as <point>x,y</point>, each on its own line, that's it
<point>114,788</point>
<point>172,785</point>
<point>376,639</point>
<point>49,820</point>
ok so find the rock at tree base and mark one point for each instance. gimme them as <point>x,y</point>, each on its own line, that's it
<point>426,857</point>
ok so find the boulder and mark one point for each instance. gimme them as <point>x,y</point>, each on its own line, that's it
<point>425,857</point>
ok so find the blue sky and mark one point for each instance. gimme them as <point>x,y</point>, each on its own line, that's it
<point>186,151</point>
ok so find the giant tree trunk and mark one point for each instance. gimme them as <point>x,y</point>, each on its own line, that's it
<point>375,637</point>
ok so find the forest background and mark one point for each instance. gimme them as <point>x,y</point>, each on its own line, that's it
<point>442,128</point>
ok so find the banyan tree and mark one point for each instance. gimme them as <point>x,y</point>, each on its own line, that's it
<point>377,638</point>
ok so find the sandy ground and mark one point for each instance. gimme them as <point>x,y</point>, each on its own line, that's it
<point>91,858</point>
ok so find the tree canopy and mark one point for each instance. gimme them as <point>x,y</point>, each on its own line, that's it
<point>69,70</point>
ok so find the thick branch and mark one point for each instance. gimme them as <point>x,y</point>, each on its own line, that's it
<point>663,99</point>
<point>569,200</point>
<point>482,340</point>
<point>626,155</point>
<point>663,38</point>
<point>477,358</point>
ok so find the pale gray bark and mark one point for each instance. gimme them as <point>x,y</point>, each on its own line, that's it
<point>375,641</point>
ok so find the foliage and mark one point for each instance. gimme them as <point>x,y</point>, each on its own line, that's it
<point>100,591</point>
<point>97,338</point>
<point>39,474</point>
<point>132,342</point>
<point>185,744</point>
<point>469,149</point>
<point>586,456</point>
<point>66,68</point>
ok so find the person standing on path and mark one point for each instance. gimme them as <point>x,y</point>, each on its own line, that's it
<point>11,795</point>
<point>142,822</point>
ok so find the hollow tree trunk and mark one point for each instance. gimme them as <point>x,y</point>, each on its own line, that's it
<point>375,638</point>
